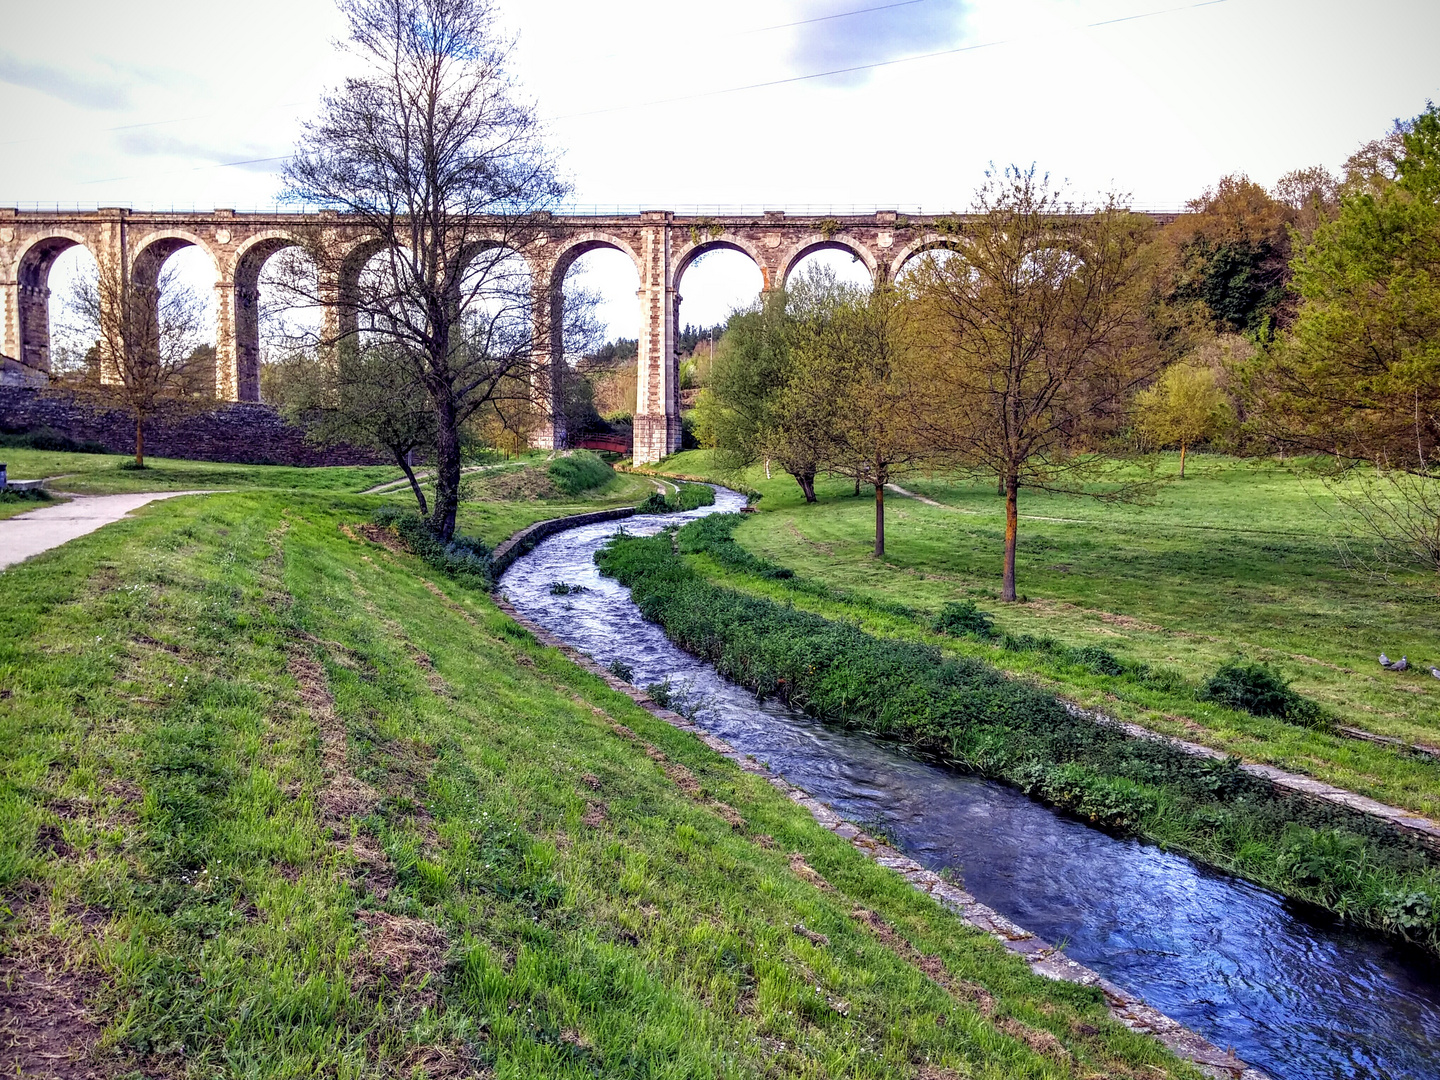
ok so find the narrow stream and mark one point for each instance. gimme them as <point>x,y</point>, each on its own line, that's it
<point>1296,996</point>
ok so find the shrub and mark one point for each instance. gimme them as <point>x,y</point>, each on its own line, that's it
<point>622,671</point>
<point>464,557</point>
<point>45,438</point>
<point>964,617</point>
<point>580,471</point>
<point>10,495</point>
<point>1254,688</point>
<point>1099,660</point>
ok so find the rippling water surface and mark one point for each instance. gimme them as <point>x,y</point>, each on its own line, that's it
<point>1300,998</point>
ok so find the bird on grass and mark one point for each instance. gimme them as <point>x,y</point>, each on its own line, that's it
<point>1400,665</point>
<point>1385,661</point>
<point>1435,671</point>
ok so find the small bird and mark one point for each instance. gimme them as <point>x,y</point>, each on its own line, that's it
<point>1384,660</point>
<point>1435,671</point>
<point>1400,665</point>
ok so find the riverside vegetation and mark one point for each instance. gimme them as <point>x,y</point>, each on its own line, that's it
<point>278,799</point>
<point>968,713</point>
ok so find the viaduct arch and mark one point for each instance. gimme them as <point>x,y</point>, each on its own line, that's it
<point>661,243</point>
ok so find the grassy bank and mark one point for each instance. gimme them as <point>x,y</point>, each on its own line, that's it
<point>108,474</point>
<point>275,800</point>
<point>967,712</point>
<point>1240,558</point>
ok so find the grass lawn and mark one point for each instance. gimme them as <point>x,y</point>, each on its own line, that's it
<point>1237,559</point>
<point>276,801</point>
<point>101,474</point>
<point>13,502</point>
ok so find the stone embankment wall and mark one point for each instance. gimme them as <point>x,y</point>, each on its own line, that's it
<point>525,540</point>
<point>246,433</point>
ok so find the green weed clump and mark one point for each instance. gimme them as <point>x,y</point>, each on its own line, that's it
<point>965,712</point>
<point>964,618</point>
<point>580,471</point>
<point>464,557</point>
<point>1259,690</point>
<point>689,497</point>
<point>10,495</point>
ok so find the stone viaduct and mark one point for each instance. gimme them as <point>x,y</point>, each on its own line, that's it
<point>661,244</point>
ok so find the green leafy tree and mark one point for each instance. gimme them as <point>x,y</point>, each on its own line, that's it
<point>854,382</point>
<point>1359,374</point>
<point>1228,258</point>
<point>363,396</point>
<point>1184,407</point>
<point>742,413</point>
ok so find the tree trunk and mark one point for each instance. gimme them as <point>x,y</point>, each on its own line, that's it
<point>404,460</point>
<point>879,521</point>
<point>1182,461</point>
<point>139,442</point>
<point>1012,522</point>
<point>807,484</point>
<point>857,489</point>
<point>447,470</point>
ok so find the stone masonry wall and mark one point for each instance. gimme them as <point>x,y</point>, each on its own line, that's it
<point>242,432</point>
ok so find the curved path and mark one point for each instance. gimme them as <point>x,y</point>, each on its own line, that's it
<point>27,535</point>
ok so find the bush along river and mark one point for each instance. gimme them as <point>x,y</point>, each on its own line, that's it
<point>1293,990</point>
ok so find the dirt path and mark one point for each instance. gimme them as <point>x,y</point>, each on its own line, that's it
<point>27,535</point>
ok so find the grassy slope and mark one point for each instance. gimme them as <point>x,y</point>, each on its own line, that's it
<point>494,521</point>
<point>1238,558</point>
<point>279,805</point>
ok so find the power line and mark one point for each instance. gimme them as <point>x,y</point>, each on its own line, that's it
<point>876,64</point>
<point>827,18</point>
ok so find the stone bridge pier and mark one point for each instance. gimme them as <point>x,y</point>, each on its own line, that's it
<point>660,243</point>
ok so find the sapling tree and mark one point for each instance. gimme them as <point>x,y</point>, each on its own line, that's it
<point>148,336</point>
<point>1184,406</point>
<point>1033,338</point>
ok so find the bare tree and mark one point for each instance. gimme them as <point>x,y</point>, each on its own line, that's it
<point>148,335</point>
<point>434,155</point>
<point>1036,336</point>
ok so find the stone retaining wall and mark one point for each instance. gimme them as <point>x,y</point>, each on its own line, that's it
<point>525,540</point>
<point>246,433</point>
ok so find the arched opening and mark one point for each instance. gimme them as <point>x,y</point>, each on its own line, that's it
<point>716,281</point>
<point>599,286</point>
<point>177,264</point>
<point>847,264</point>
<point>70,344</point>
<point>279,315</point>
<point>922,262</point>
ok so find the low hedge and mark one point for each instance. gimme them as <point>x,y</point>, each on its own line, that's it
<point>967,713</point>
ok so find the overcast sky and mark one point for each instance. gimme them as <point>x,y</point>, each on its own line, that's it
<point>153,103</point>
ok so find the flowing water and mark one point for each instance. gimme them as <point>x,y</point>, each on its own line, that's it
<point>1294,994</point>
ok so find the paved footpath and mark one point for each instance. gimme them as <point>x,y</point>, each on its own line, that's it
<point>26,535</point>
